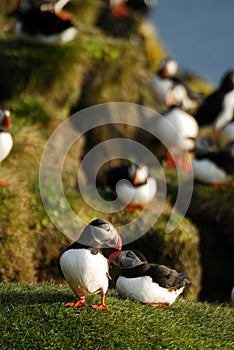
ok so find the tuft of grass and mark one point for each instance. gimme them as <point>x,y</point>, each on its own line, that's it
<point>34,315</point>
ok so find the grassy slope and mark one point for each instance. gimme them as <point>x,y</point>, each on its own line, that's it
<point>34,316</point>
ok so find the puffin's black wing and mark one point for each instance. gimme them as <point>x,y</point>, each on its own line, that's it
<point>210,108</point>
<point>44,22</point>
<point>114,174</point>
<point>223,158</point>
<point>166,277</point>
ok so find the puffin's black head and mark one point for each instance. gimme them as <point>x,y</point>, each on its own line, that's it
<point>127,259</point>
<point>227,83</point>
<point>100,233</point>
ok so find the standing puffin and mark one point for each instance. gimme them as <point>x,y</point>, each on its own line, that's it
<point>218,108</point>
<point>6,141</point>
<point>172,90</point>
<point>153,284</point>
<point>216,168</point>
<point>138,190</point>
<point>179,136</point>
<point>35,25</point>
<point>83,265</point>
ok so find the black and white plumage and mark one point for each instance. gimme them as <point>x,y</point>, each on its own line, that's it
<point>35,25</point>
<point>83,265</point>
<point>149,283</point>
<point>171,90</point>
<point>6,140</point>
<point>215,167</point>
<point>218,108</point>
<point>138,190</point>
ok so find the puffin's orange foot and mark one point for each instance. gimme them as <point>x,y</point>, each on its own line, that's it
<point>131,207</point>
<point>158,304</point>
<point>222,185</point>
<point>100,307</point>
<point>78,303</point>
<point>3,183</point>
<point>144,206</point>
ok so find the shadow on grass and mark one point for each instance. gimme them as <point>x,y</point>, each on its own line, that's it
<point>29,298</point>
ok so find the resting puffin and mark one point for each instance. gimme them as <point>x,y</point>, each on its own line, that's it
<point>138,190</point>
<point>6,141</point>
<point>216,168</point>
<point>172,90</point>
<point>218,108</point>
<point>35,25</point>
<point>153,284</point>
<point>83,265</point>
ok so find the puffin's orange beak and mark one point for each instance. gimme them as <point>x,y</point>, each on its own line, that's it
<point>136,178</point>
<point>7,120</point>
<point>119,11</point>
<point>119,243</point>
<point>113,258</point>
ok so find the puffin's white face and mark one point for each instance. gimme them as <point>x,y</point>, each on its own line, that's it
<point>171,68</point>
<point>138,175</point>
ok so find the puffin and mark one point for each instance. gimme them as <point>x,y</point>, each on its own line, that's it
<point>217,108</point>
<point>6,140</point>
<point>181,140</point>
<point>132,184</point>
<point>83,264</point>
<point>171,90</point>
<point>215,167</point>
<point>153,284</point>
<point>35,25</point>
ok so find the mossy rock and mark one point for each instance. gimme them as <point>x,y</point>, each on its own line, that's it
<point>212,210</point>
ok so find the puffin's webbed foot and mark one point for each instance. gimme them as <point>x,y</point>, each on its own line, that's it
<point>78,303</point>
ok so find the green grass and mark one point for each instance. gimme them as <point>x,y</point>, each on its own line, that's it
<point>34,316</point>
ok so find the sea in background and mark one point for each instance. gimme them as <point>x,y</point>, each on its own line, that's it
<point>198,34</point>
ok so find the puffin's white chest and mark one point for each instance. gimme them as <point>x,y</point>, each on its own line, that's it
<point>136,195</point>
<point>160,87</point>
<point>145,290</point>
<point>180,131</point>
<point>85,272</point>
<point>6,143</point>
<point>205,170</point>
